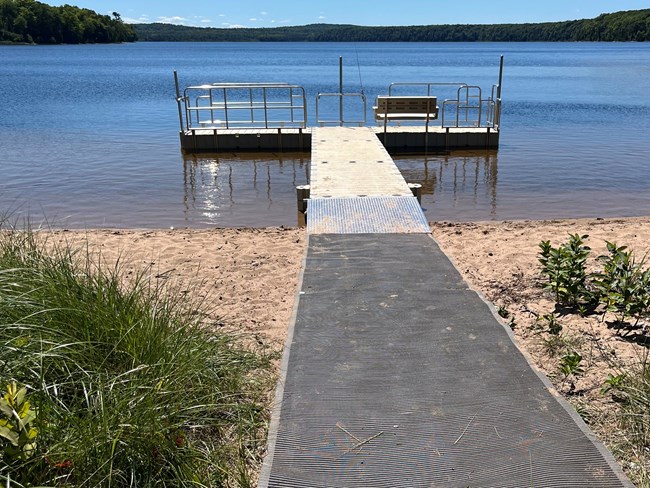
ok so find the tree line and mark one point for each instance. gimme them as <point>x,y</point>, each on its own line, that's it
<point>29,21</point>
<point>632,25</point>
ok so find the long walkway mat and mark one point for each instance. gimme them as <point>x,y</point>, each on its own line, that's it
<point>398,375</point>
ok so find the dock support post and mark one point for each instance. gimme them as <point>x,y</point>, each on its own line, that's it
<point>302,195</point>
<point>416,189</point>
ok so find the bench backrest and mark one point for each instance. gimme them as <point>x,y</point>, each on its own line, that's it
<point>407,105</point>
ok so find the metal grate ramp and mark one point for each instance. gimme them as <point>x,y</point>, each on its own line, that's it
<point>366,215</point>
<point>398,375</point>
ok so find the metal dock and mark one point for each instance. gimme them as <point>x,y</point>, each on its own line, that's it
<point>395,373</point>
<point>409,117</point>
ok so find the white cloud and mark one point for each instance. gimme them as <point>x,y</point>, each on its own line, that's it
<point>233,26</point>
<point>172,20</point>
<point>264,13</point>
<point>321,17</point>
<point>143,19</point>
<point>206,21</point>
<point>253,19</point>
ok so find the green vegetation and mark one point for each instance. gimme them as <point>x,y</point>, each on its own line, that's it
<point>109,379</point>
<point>624,285</point>
<point>633,25</point>
<point>29,21</point>
<point>565,268</point>
<point>621,288</point>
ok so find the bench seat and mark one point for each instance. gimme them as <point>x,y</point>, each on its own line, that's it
<point>406,108</point>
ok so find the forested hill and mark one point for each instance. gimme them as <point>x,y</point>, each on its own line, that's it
<point>29,21</point>
<point>632,25</point>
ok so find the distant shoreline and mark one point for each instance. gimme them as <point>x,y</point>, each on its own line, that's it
<point>624,26</point>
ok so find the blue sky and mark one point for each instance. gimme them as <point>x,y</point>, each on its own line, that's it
<point>274,13</point>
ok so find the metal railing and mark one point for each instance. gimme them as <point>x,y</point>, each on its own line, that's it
<point>467,109</point>
<point>428,85</point>
<point>494,109</point>
<point>283,105</point>
<point>341,120</point>
<point>244,105</point>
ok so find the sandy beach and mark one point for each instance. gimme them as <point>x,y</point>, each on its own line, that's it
<point>250,277</point>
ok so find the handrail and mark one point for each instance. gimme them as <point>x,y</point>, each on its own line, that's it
<point>423,83</point>
<point>254,105</point>
<point>283,105</point>
<point>340,121</point>
<point>492,108</point>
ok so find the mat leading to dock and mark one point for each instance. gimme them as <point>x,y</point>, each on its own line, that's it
<point>399,375</point>
<point>357,188</point>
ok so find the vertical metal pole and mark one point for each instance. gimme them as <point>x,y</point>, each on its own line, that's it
<point>266,114</point>
<point>178,100</point>
<point>498,100</point>
<point>341,90</point>
<point>500,77</point>
<point>250,100</point>
<point>225,107</point>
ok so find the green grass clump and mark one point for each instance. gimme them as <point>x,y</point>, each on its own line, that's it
<point>128,387</point>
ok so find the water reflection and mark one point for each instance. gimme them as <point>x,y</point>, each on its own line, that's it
<point>253,190</point>
<point>457,186</point>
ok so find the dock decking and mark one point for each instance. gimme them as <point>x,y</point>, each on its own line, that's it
<point>396,373</point>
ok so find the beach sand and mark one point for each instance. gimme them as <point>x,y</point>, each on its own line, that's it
<point>250,276</point>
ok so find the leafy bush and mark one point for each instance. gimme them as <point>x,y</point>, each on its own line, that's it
<point>565,269</point>
<point>129,386</point>
<point>623,286</point>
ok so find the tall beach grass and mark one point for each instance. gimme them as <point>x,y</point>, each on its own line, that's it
<point>129,386</point>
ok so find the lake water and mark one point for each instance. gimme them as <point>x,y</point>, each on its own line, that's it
<point>89,134</point>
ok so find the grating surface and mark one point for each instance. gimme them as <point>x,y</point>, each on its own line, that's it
<point>365,215</point>
<point>399,375</point>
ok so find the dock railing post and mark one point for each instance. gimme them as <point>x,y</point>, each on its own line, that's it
<point>178,100</point>
<point>341,91</point>
<point>498,100</point>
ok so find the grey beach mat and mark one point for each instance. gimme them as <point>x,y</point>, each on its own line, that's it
<point>399,375</point>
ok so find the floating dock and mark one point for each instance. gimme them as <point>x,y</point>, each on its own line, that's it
<point>412,117</point>
<point>395,372</point>
<point>395,139</point>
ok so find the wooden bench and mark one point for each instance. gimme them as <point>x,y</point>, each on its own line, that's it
<point>406,108</point>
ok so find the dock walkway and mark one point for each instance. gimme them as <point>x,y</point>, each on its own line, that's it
<point>397,374</point>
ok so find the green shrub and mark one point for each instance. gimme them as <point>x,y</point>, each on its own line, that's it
<point>565,269</point>
<point>623,286</point>
<point>130,388</point>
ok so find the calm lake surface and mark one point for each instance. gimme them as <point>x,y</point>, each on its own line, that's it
<point>89,134</point>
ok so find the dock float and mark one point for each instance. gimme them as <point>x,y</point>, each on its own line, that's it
<point>396,373</point>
